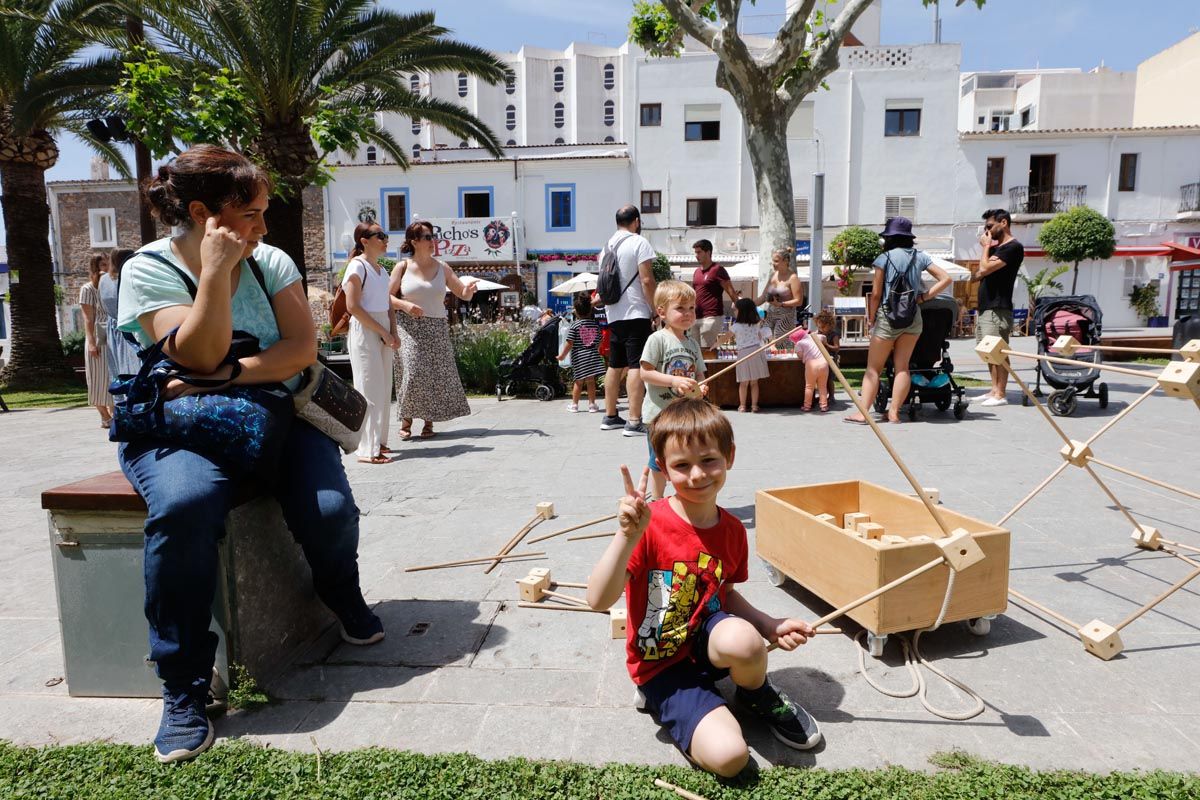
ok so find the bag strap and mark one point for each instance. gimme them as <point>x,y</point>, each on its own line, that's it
<point>190,285</point>
<point>615,250</point>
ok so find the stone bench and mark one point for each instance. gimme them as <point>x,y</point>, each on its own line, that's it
<point>265,610</point>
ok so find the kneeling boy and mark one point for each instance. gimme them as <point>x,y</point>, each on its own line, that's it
<point>688,627</point>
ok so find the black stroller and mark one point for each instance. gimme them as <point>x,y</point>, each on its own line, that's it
<point>537,364</point>
<point>930,368</point>
<point>1078,316</point>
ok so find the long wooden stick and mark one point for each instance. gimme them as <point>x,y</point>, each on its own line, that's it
<point>1121,415</point>
<point>559,607</point>
<point>481,560</point>
<point>866,598</point>
<point>858,403</point>
<point>569,598</point>
<point>587,524</point>
<point>516,540</point>
<point>1073,625</point>
<point>1086,364</point>
<point>569,585</point>
<point>1141,477</point>
<point>1181,544</point>
<point>1179,584</point>
<point>684,793</point>
<point>1058,471</point>
<point>584,536</point>
<point>1110,348</point>
<point>723,370</point>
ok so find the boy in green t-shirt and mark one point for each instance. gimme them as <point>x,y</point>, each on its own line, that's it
<point>671,362</point>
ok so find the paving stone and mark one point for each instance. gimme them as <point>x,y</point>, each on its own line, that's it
<point>452,634</point>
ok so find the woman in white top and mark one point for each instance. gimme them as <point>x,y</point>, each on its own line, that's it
<point>95,328</point>
<point>372,336</point>
<point>427,382</point>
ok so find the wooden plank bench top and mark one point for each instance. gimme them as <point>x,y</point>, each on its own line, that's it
<point>111,492</point>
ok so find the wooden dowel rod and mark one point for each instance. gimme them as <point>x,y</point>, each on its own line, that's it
<point>1120,506</point>
<point>1037,404</point>
<point>1181,544</point>
<point>1180,556</point>
<point>684,793</point>
<point>1086,364</point>
<point>1121,415</point>
<point>587,524</point>
<point>1141,477</point>
<point>1072,625</point>
<point>569,585</point>
<point>1058,471</point>
<point>516,539</point>
<point>1114,349</point>
<point>1179,584</point>
<point>723,370</point>
<point>866,598</point>
<point>481,560</point>
<point>887,445</point>
<point>569,598</point>
<point>584,536</point>
<point>559,607</point>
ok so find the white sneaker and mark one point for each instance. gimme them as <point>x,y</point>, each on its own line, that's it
<point>593,409</point>
<point>994,401</point>
<point>572,408</point>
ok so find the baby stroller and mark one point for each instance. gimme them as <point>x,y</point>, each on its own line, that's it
<point>1077,316</point>
<point>930,368</point>
<point>537,364</point>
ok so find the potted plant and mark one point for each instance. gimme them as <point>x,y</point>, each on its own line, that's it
<point>1144,300</point>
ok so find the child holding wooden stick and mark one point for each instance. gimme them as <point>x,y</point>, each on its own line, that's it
<point>688,627</point>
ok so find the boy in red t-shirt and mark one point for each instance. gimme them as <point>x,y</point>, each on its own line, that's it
<point>688,627</point>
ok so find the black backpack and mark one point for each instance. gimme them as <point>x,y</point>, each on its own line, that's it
<point>901,305</point>
<point>608,282</point>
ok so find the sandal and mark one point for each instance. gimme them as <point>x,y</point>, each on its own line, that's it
<point>824,407</point>
<point>383,448</point>
<point>742,409</point>
<point>428,432</point>
<point>375,460</point>
<point>754,409</point>
<point>806,407</point>
<point>853,421</point>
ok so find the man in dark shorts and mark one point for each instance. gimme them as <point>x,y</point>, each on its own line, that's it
<point>711,283</point>
<point>997,274</point>
<point>629,322</point>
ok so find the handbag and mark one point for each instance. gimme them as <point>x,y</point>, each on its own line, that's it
<point>331,405</point>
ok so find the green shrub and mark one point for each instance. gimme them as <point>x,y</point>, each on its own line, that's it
<point>73,343</point>
<point>478,350</point>
<point>661,268</point>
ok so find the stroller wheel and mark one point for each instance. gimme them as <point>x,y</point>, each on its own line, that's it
<point>942,404</point>
<point>881,401</point>
<point>1063,403</point>
<point>544,393</point>
<point>913,408</point>
<point>1102,390</point>
<point>1024,399</point>
<point>960,410</point>
<point>499,391</point>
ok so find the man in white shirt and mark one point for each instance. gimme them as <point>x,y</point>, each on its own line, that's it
<point>629,322</point>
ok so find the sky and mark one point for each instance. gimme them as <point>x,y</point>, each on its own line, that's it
<point>1005,34</point>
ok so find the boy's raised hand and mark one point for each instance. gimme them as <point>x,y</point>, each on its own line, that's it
<point>633,514</point>
<point>791,633</point>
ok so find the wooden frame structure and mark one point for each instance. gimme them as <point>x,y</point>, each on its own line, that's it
<point>1178,379</point>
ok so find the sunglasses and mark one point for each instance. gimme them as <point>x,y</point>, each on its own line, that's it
<point>380,235</point>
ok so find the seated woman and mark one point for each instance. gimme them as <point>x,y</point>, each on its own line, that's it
<point>216,199</point>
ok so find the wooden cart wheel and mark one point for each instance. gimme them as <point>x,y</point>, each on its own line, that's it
<point>774,576</point>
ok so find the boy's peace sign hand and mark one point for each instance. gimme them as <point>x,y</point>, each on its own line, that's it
<point>633,514</point>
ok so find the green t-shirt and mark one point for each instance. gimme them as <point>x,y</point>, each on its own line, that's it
<point>670,356</point>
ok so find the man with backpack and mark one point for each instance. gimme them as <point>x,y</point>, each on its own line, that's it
<point>626,284</point>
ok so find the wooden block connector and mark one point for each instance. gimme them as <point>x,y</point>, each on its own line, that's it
<point>1101,639</point>
<point>851,521</point>
<point>541,572</point>
<point>1191,351</point>
<point>1076,452</point>
<point>1147,538</point>
<point>1066,345</point>
<point>991,350</point>
<point>828,518</point>
<point>546,510</point>
<point>617,618</point>
<point>891,538</point>
<point>1181,379</point>
<point>870,530</point>
<point>934,495</point>
<point>532,586</point>
<point>960,550</point>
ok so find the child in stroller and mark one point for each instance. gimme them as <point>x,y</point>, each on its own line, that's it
<point>1079,316</point>
<point>930,367</point>
<point>537,364</point>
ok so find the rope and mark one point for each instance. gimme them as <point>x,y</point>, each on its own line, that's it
<point>913,660</point>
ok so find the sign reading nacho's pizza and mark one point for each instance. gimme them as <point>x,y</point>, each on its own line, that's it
<point>473,239</point>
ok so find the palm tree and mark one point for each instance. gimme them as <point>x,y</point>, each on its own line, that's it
<point>304,60</point>
<point>46,87</point>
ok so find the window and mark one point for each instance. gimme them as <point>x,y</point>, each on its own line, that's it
<point>896,205</point>
<point>651,115</point>
<point>416,125</point>
<point>416,152</point>
<point>1127,181</point>
<point>475,201</point>
<point>510,117</point>
<point>372,154</point>
<point>560,115</point>
<point>559,79</point>
<point>800,211</point>
<point>994,183</point>
<point>902,122</point>
<point>511,143</point>
<point>414,84</point>
<point>610,76</point>
<point>1027,117</point>
<point>610,113</point>
<point>982,121</point>
<point>1001,121</point>
<point>609,139</point>
<point>1132,273</point>
<point>102,227</point>
<point>701,131</point>
<point>394,202</point>
<point>560,140</point>
<point>652,202</point>
<point>702,212</point>
<point>560,207</point>
<point>462,84</point>
<point>463,144</point>
<point>510,84</point>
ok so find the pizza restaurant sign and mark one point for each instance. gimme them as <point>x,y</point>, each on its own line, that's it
<point>473,239</point>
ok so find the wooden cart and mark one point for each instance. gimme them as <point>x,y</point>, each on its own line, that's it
<point>838,565</point>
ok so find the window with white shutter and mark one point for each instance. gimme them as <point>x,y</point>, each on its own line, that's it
<point>900,205</point>
<point>800,211</point>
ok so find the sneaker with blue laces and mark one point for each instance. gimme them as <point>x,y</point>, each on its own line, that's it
<point>788,721</point>
<point>184,731</point>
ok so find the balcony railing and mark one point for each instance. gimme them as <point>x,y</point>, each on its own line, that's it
<point>1045,200</point>
<point>1189,198</point>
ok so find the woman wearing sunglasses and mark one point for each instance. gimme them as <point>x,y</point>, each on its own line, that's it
<point>372,336</point>
<point>427,382</point>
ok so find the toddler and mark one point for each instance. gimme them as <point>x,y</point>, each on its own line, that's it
<point>749,335</point>
<point>583,344</point>
<point>816,369</point>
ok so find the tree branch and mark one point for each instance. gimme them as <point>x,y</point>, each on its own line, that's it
<point>692,23</point>
<point>825,57</point>
<point>792,39</point>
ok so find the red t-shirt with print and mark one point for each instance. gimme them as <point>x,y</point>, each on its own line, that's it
<point>679,576</point>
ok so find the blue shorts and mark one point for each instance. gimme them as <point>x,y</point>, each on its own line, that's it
<point>684,693</point>
<point>653,462</point>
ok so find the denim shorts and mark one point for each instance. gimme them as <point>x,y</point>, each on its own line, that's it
<point>684,693</point>
<point>653,462</point>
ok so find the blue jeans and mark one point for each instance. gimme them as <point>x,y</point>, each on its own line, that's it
<point>188,497</point>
